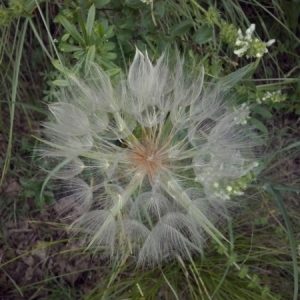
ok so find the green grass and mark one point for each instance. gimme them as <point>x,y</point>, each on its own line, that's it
<point>262,261</point>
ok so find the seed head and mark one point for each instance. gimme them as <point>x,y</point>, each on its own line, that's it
<point>150,163</point>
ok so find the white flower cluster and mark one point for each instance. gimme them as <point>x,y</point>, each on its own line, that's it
<point>129,157</point>
<point>226,192</point>
<point>274,97</point>
<point>226,189</point>
<point>242,114</point>
<point>147,1</point>
<point>249,46</point>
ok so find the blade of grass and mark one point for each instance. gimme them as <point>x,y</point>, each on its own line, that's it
<point>13,282</point>
<point>231,247</point>
<point>19,51</point>
<point>279,201</point>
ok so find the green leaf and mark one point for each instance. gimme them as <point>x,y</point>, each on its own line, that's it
<point>134,3</point>
<point>110,56</point>
<point>165,38</point>
<point>100,3</point>
<point>90,56</point>
<point>79,54</point>
<point>64,47</point>
<point>203,34</point>
<point>71,29</point>
<point>112,72</point>
<point>259,125</point>
<point>90,20</point>
<point>60,67</point>
<point>181,28</point>
<point>234,77</point>
<point>159,9</point>
<point>109,32</point>
<point>79,65</point>
<point>61,82</point>
<point>106,63</point>
<point>30,185</point>
<point>65,37</point>
<point>108,46</point>
<point>262,111</point>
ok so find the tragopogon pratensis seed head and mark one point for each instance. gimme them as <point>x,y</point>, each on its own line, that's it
<point>151,163</point>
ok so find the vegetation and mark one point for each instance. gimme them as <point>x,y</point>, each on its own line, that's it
<point>44,42</point>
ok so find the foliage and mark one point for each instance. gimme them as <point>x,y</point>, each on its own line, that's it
<point>43,43</point>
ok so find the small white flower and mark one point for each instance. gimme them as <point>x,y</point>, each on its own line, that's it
<point>229,188</point>
<point>239,193</point>
<point>241,114</point>
<point>250,47</point>
<point>270,42</point>
<point>272,97</point>
<point>130,154</point>
<point>241,51</point>
<point>240,34</point>
<point>250,31</point>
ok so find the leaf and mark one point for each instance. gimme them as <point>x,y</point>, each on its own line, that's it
<point>234,77</point>
<point>262,111</point>
<point>100,3</point>
<point>108,47</point>
<point>90,57</point>
<point>109,32</point>
<point>79,54</point>
<point>65,37</point>
<point>110,56</point>
<point>60,67</point>
<point>61,82</point>
<point>203,34</point>
<point>259,125</point>
<point>65,47</point>
<point>159,9</point>
<point>134,3</point>
<point>112,72</point>
<point>182,28</point>
<point>90,20</point>
<point>71,29</point>
<point>106,63</point>
<point>165,38</point>
<point>80,63</point>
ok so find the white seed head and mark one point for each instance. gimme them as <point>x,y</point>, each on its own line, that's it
<point>130,155</point>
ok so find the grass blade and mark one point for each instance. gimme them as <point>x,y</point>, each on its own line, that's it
<point>279,201</point>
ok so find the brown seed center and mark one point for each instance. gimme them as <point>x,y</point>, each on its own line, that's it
<point>147,156</point>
